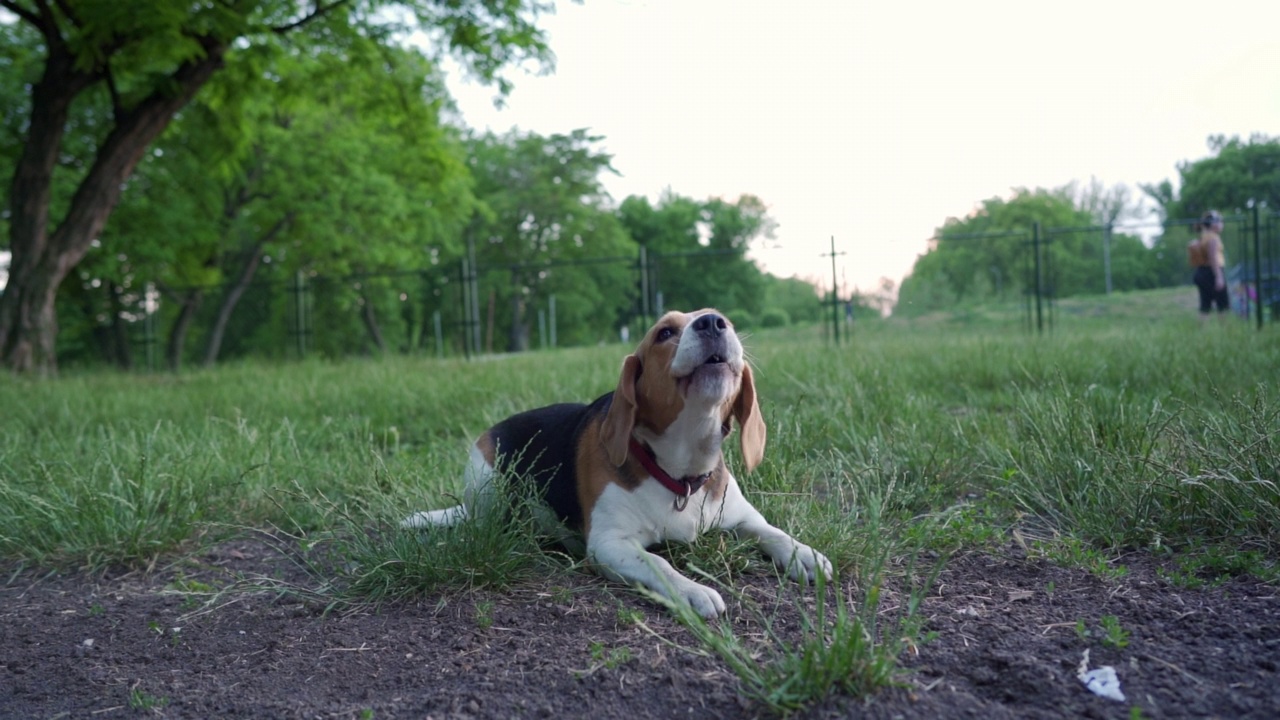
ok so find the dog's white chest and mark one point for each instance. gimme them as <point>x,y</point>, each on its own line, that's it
<point>648,513</point>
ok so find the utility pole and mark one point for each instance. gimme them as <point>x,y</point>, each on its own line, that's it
<point>835,296</point>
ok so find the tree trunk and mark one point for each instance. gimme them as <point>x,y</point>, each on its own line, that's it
<point>236,291</point>
<point>229,302</point>
<point>370,319</point>
<point>41,260</point>
<point>190,302</point>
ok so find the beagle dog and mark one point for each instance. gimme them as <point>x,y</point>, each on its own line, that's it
<point>643,464</point>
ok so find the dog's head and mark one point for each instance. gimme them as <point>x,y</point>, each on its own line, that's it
<point>686,363</point>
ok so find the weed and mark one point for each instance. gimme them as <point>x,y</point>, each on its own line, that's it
<point>183,584</point>
<point>1072,552</point>
<point>629,617</point>
<point>1113,635</point>
<point>484,614</point>
<point>611,658</point>
<point>838,650</point>
<point>1201,565</point>
<point>141,700</point>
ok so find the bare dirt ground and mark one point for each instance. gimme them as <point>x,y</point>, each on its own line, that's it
<point>1007,645</point>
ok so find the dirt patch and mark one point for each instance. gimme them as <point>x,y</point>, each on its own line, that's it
<point>1009,633</point>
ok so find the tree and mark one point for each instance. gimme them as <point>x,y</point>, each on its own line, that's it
<point>671,233</point>
<point>1238,174</point>
<point>733,226</point>
<point>340,166</point>
<point>146,61</point>
<point>989,253</point>
<point>544,209</point>
<point>795,297</point>
<point>698,249</point>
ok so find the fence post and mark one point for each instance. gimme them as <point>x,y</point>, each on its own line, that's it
<point>476,328</point>
<point>300,313</point>
<point>435,320</point>
<point>1035,244</point>
<point>1257,264</point>
<point>644,285</point>
<point>465,288</point>
<point>553,321</point>
<point>1106,255</point>
<point>149,298</point>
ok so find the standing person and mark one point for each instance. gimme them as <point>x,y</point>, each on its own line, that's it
<point>1206,255</point>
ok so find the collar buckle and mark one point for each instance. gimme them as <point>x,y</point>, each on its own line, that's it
<point>683,489</point>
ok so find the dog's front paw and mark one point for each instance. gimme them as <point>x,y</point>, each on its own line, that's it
<point>806,563</point>
<point>704,600</point>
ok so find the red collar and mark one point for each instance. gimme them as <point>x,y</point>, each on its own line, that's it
<point>683,488</point>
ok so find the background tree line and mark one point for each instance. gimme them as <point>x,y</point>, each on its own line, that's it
<point>213,151</point>
<point>987,254</point>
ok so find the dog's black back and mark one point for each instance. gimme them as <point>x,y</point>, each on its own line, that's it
<point>541,446</point>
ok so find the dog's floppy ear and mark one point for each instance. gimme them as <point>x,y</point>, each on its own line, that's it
<point>615,432</point>
<point>747,411</point>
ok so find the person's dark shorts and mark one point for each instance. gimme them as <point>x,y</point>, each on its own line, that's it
<point>1209,295</point>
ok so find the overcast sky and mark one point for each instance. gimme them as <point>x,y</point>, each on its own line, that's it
<point>875,121</point>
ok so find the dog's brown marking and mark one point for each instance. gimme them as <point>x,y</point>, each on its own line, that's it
<point>487,448</point>
<point>658,397</point>
<point>746,410</point>
<point>647,394</point>
<point>615,431</point>
<point>595,471</point>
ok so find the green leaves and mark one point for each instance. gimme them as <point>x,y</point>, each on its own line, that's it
<point>679,229</point>
<point>545,216</point>
<point>1241,171</point>
<point>989,253</point>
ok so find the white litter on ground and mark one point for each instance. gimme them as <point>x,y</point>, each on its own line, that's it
<point>1102,681</point>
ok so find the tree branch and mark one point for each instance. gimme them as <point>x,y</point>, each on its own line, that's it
<point>318,12</point>
<point>37,20</point>
<point>116,108</point>
<point>66,10</point>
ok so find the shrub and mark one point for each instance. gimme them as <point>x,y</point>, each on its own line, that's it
<point>741,319</point>
<point>774,318</point>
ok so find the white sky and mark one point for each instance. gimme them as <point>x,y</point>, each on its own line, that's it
<point>875,121</point>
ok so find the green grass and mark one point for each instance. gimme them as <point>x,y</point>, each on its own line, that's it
<point>1128,427</point>
<point>839,648</point>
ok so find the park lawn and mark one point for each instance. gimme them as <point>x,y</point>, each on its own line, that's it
<point>1125,426</point>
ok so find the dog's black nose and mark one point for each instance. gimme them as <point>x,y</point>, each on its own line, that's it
<point>710,325</point>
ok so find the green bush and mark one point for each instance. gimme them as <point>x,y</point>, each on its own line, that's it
<point>741,319</point>
<point>774,318</point>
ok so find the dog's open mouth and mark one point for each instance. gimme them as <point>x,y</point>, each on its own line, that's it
<point>714,370</point>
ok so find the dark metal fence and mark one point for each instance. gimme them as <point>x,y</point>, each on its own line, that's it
<point>1251,240</point>
<point>467,308</point>
<point>459,309</point>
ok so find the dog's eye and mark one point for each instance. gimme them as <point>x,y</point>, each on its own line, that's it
<point>665,333</point>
